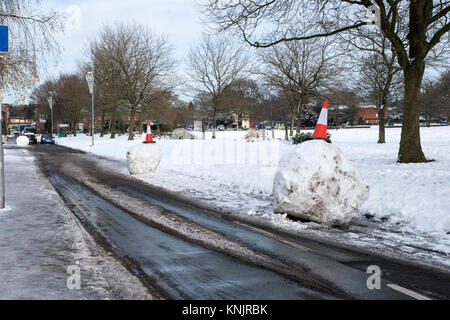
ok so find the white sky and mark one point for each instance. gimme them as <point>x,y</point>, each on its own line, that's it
<point>176,19</point>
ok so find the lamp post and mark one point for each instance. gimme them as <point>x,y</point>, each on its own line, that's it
<point>2,159</point>
<point>50,103</point>
<point>4,49</point>
<point>91,83</point>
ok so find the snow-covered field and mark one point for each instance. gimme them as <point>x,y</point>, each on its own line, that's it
<point>234,173</point>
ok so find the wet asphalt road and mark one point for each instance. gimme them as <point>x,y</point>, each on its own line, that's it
<point>277,265</point>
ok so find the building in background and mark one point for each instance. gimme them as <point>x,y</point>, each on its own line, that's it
<point>15,119</point>
<point>368,115</point>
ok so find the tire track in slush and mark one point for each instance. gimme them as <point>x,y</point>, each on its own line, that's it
<point>177,268</point>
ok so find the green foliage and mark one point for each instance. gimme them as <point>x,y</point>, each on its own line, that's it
<point>303,137</point>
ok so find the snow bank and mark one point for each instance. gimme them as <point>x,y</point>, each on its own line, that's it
<point>315,182</point>
<point>144,159</point>
<point>22,141</point>
<point>251,135</point>
<point>181,134</point>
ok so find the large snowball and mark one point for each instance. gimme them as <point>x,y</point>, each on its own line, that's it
<point>22,141</point>
<point>314,182</point>
<point>144,159</point>
<point>181,134</point>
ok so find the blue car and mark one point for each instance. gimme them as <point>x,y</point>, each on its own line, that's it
<point>47,138</point>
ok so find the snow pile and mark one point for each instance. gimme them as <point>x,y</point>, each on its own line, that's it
<point>7,209</point>
<point>251,135</point>
<point>22,141</point>
<point>181,134</point>
<point>144,159</point>
<point>315,182</point>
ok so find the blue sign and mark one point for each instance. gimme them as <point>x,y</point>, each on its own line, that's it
<point>4,39</point>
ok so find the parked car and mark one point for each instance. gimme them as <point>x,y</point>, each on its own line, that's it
<point>47,139</point>
<point>32,138</point>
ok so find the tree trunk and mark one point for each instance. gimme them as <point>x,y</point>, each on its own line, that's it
<point>291,131</point>
<point>113,125</point>
<point>286,128</point>
<point>140,123</point>
<point>382,124</point>
<point>102,131</point>
<point>410,147</point>
<point>299,116</point>
<point>203,130</point>
<point>73,124</point>
<point>214,123</point>
<point>240,120</point>
<point>132,123</point>
<point>271,124</point>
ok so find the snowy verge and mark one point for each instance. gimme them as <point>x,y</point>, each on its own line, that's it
<point>408,198</point>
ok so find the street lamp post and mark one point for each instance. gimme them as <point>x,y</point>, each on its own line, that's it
<point>4,49</point>
<point>91,83</point>
<point>50,103</point>
<point>2,159</point>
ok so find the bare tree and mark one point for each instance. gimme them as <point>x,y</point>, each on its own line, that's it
<point>72,98</point>
<point>302,68</point>
<point>381,82</point>
<point>32,38</point>
<point>141,60</point>
<point>109,84</point>
<point>444,94</point>
<point>424,26</point>
<point>343,107</point>
<point>203,110</point>
<point>213,66</point>
<point>430,101</point>
<point>242,98</point>
<point>435,98</point>
<point>39,97</point>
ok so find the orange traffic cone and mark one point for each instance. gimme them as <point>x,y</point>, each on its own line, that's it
<point>322,124</point>
<point>149,138</point>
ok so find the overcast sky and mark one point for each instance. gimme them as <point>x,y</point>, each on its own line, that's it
<point>177,19</point>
